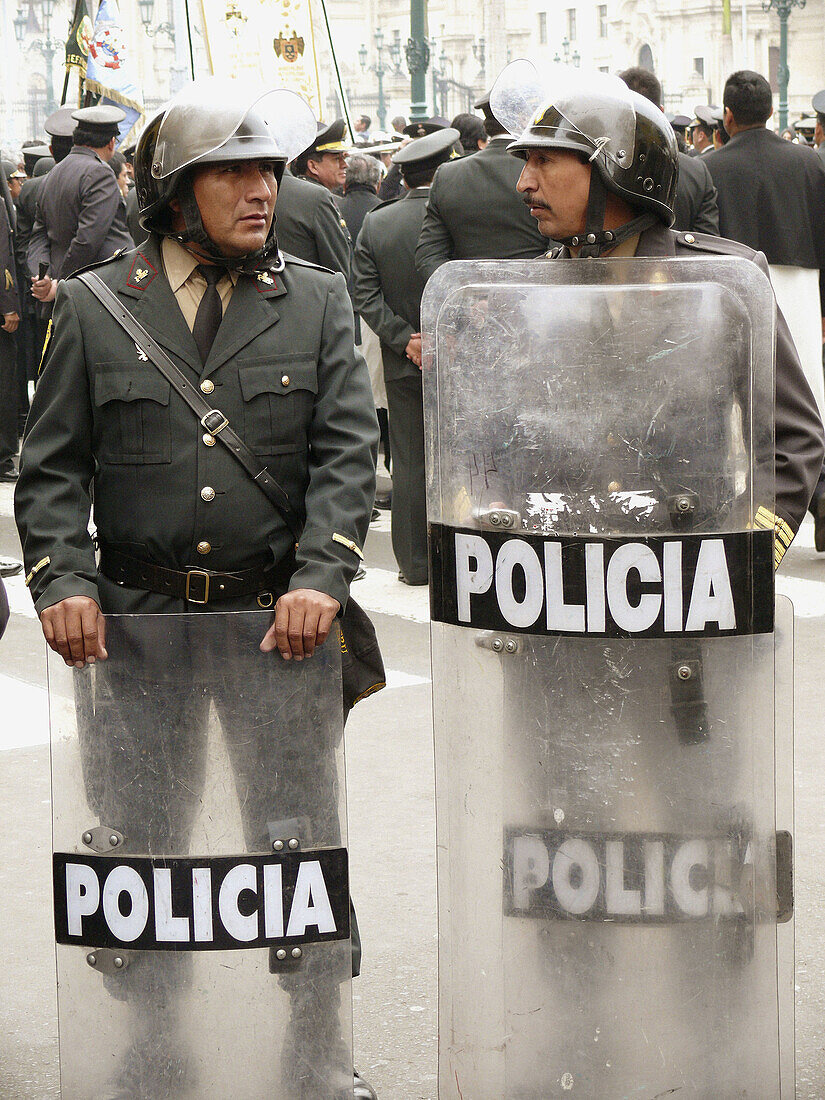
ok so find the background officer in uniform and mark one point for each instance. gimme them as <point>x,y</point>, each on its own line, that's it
<point>701,132</point>
<point>80,214</point>
<point>271,337</point>
<point>560,182</point>
<point>387,293</point>
<point>391,186</point>
<point>325,162</point>
<point>695,202</point>
<point>310,225</point>
<point>473,212</point>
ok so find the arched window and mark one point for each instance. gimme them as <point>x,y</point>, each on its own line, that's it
<point>646,58</point>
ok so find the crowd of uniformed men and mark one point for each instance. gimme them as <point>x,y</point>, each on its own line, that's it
<point>386,212</point>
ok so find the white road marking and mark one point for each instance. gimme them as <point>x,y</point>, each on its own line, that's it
<point>20,601</point>
<point>25,714</point>
<point>397,679</point>
<point>7,499</point>
<point>807,597</point>
<point>384,594</point>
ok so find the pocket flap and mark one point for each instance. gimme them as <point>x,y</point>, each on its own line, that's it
<point>280,378</point>
<point>128,382</point>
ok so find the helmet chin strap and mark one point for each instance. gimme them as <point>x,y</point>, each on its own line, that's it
<point>596,239</point>
<point>267,258</point>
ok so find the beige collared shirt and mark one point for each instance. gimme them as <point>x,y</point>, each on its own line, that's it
<point>187,283</point>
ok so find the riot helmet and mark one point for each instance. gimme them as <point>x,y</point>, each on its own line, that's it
<point>215,121</point>
<point>594,114</point>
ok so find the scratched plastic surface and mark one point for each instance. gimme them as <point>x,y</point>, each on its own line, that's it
<point>189,741</point>
<point>606,863</point>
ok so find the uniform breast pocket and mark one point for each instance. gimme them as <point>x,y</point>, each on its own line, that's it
<point>278,397</point>
<point>132,413</point>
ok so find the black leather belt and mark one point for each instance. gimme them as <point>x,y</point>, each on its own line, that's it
<point>201,586</point>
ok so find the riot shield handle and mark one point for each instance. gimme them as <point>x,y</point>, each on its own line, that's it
<point>784,876</point>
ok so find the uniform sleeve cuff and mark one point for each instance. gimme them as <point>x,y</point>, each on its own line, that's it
<point>61,588</point>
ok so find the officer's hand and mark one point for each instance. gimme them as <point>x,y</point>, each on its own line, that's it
<point>302,622</point>
<point>413,349</point>
<point>75,628</point>
<point>44,290</point>
<point>11,321</point>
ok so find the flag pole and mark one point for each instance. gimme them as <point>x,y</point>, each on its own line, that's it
<point>344,103</point>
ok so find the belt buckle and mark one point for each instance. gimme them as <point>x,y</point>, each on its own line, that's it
<point>214,421</point>
<point>197,573</point>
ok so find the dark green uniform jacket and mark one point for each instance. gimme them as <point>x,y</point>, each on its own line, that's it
<point>475,212</point>
<point>81,218</point>
<point>695,205</point>
<point>310,226</point>
<point>799,446</point>
<point>387,288</point>
<point>286,374</point>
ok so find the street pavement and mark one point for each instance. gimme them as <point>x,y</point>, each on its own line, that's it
<point>391,836</point>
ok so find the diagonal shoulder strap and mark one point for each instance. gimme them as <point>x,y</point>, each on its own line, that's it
<point>212,420</point>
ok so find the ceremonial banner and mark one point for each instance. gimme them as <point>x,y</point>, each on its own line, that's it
<point>270,40</point>
<point>80,38</point>
<point>108,70</point>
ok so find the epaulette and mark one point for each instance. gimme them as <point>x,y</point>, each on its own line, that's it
<point>290,259</point>
<point>719,246</point>
<point>102,263</point>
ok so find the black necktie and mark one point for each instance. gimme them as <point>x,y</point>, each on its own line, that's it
<point>210,311</point>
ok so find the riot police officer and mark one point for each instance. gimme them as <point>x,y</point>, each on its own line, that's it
<point>596,206</point>
<point>182,526</point>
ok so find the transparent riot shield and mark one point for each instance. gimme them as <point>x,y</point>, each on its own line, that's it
<point>200,866</point>
<point>600,496</point>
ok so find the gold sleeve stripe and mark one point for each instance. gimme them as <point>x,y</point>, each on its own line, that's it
<point>783,534</point>
<point>40,565</point>
<point>46,343</point>
<point>350,545</point>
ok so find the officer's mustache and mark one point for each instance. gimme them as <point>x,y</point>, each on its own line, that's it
<point>528,201</point>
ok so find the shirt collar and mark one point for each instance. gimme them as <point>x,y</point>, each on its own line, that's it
<point>179,264</point>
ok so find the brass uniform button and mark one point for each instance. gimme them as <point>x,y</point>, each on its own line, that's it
<point>207,492</point>
<point>207,386</point>
<point>284,379</point>
<point>689,238</point>
<point>614,487</point>
<point>204,547</point>
<point>209,440</point>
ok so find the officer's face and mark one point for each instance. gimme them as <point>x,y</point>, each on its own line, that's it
<point>330,170</point>
<point>237,202</point>
<point>556,185</point>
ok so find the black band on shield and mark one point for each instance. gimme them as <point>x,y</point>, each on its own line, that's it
<point>214,903</point>
<point>697,585</point>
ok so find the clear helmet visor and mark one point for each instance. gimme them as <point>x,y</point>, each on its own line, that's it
<point>596,106</point>
<point>206,114</point>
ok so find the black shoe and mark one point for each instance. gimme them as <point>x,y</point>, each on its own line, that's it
<point>10,567</point>
<point>9,475</point>
<point>360,573</point>
<point>819,525</point>
<point>362,1090</point>
<point>413,584</point>
<point>384,500</point>
<point>375,515</point>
